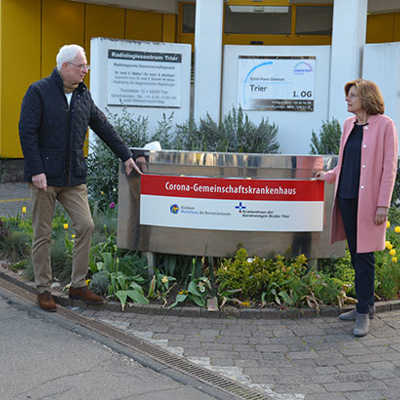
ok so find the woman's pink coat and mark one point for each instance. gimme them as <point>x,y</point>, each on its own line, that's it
<point>377,176</point>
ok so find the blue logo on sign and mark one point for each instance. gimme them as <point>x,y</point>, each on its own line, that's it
<point>301,68</point>
<point>174,209</point>
<point>240,207</point>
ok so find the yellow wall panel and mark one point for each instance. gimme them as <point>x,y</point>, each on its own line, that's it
<point>102,21</point>
<point>169,28</point>
<point>144,25</point>
<point>62,23</point>
<point>380,28</point>
<point>20,66</point>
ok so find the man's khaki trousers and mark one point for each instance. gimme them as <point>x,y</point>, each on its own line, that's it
<point>75,201</point>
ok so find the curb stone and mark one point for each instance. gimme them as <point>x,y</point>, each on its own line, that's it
<point>229,312</point>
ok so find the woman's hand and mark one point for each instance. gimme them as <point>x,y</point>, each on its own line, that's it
<point>381,215</point>
<point>320,175</point>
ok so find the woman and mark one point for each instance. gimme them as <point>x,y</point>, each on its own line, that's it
<point>364,179</point>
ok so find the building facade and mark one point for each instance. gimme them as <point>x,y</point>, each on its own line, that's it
<point>32,31</point>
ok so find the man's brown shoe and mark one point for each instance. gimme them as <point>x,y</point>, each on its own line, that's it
<point>85,295</point>
<point>46,302</point>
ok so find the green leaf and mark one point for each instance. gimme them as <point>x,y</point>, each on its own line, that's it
<point>152,287</point>
<point>193,289</point>
<point>137,297</point>
<point>108,262</point>
<point>100,266</point>
<point>122,297</point>
<point>180,298</point>
<point>197,300</point>
<point>286,298</point>
<point>263,302</point>
<point>136,286</point>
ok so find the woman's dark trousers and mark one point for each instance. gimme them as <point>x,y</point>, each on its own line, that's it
<point>363,263</point>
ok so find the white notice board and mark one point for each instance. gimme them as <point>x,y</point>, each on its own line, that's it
<point>279,83</point>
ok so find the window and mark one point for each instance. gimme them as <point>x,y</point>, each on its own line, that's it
<point>314,20</point>
<point>188,18</point>
<point>263,23</point>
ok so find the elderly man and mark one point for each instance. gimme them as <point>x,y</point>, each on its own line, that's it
<point>55,115</point>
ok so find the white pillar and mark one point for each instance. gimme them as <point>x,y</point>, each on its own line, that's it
<point>208,59</point>
<point>348,40</point>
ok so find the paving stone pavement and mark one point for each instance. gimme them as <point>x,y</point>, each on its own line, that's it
<point>310,359</point>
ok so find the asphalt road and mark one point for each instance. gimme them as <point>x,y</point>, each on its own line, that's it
<point>44,357</point>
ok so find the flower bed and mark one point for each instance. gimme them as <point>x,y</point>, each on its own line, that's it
<point>243,282</point>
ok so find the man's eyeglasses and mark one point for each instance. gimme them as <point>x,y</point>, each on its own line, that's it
<point>80,66</point>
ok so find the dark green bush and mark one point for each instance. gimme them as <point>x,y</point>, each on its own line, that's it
<point>236,133</point>
<point>396,189</point>
<point>15,241</point>
<point>254,276</point>
<point>103,165</point>
<point>100,282</point>
<point>328,139</point>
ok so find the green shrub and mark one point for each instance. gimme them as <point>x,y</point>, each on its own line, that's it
<point>396,190</point>
<point>255,276</point>
<point>15,244</point>
<point>328,139</point>
<point>61,258</point>
<point>235,134</point>
<point>244,136</point>
<point>100,282</point>
<point>387,282</point>
<point>103,165</point>
<point>344,271</point>
<point>133,263</point>
<point>179,266</point>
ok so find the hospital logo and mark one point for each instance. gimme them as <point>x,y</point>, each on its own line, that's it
<point>301,68</point>
<point>174,209</point>
<point>240,207</point>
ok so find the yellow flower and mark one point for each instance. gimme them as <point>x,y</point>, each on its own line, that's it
<point>387,224</point>
<point>23,210</point>
<point>87,282</point>
<point>388,245</point>
<point>102,193</point>
<point>397,229</point>
<point>394,259</point>
<point>245,303</point>
<point>65,226</point>
<point>392,252</point>
<point>164,279</point>
<point>181,292</point>
<point>73,236</point>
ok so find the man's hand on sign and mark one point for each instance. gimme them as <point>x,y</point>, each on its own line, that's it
<point>141,163</point>
<point>130,165</point>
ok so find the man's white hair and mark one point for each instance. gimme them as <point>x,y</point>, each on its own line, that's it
<point>67,53</point>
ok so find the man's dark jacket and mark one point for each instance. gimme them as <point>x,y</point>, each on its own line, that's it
<point>53,134</point>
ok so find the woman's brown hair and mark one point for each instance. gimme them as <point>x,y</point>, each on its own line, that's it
<point>370,95</point>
